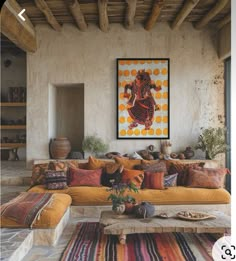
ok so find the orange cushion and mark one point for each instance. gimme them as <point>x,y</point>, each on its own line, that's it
<point>127,163</point>
<point>49,217</point>
<point>134,176</point>
<point>154,180</point>
<point>94,163</point>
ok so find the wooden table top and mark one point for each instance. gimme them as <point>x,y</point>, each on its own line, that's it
<point>127,224</point>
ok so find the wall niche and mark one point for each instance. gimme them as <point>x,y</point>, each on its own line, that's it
<point>66,113</point>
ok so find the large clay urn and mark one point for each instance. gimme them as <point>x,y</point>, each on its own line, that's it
<point>60,148</point>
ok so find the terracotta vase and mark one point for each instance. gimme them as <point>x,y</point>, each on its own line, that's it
<point>60,148</point>
<point>129,207</point>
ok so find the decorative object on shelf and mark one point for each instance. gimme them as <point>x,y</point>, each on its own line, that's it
<point>94,145</point>
<point>151,147</point>
<point>144,210</point>
<point>181,156</point>
<point>76,155</point>
<point>188,153</point>
<point>17,94</point>
<point>212,141</point>
<point>174,155</point>
<point>166,147</point>
<point>143,102</point>
<point>145,154</point>
<point>60,148</point>
<point>112,154</point>
<point>119,195</point>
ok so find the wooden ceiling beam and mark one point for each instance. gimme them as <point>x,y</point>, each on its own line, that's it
<point>130,13</point>
<point>156,10</point>
<point>211,14</point>
<point>21,33</point>
<point>103,17</point>
<point>43,7</point>
<point>224,21</point>
<point>76,12</point>
<point>184,12</point>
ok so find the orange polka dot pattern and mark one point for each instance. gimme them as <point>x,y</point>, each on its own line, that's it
<point>158,71</point>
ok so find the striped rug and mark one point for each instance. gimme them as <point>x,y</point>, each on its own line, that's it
<point>89,243</point>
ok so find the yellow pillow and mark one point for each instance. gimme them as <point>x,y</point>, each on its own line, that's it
<point>94,163</point>
<point>127,163</point>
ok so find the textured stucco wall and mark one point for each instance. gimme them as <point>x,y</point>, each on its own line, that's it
<point>71,56</point>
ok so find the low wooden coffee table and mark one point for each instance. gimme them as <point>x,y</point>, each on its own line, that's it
<point>123,225</point>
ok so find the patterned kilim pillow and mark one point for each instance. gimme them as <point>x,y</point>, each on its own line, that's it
<point>38,174</point>
<point>171,180</point>
<point>55,179</point>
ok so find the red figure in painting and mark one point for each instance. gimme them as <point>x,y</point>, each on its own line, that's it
<point>141,102</point>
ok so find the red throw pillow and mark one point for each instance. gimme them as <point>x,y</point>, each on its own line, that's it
<point>207,178</point>
<point>154,180</point>
<point>82,177</point>
<point>134,176</point>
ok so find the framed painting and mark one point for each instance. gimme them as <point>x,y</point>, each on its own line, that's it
<point>143,98</point>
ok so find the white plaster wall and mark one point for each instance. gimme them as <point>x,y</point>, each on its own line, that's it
<point>71,56</point>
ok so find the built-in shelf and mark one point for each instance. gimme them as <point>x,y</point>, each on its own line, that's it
<point>13,104</point>
<point>12,145</point>
<point>13,127</point>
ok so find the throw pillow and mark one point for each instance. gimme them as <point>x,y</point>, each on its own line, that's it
<point>63,165</point>
<point>207,178</point>
<point>83,165</point>
<point>182,170</point>
<point>94,163</point>
<point>55,179</point>
<point>154,180</point>
<point>109,178</point>
<point>134,176</point>
<point>38,174</point>
<point>82,177</point>
<point>127,163</point>
<point>171,180</point>
<point>157,166</point>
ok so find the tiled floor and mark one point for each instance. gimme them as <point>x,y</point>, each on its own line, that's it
<point>12,173</point>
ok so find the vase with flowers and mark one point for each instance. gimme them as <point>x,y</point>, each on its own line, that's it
<point>121,201</point>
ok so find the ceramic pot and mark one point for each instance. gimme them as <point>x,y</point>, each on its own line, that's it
<point>60,148</point>
<point>129,207</point>
<point>118,208</point>
<point>188,153</point>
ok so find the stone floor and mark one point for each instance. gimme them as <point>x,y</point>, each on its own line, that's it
<point>15,179</point>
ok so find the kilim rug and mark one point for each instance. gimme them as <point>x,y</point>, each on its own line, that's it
<point>89,243</point>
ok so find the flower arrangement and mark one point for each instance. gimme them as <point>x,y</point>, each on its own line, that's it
<point>119,194</point>
<point>212,141</point>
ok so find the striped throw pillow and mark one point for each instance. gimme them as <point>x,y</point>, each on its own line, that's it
<point>154,180</point>
<point>55,179</point>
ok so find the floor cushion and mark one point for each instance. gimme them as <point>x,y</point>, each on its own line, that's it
<point>49,217</point>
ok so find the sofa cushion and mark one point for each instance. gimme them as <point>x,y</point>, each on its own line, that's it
<point>182,170</point>
<point>207,178</point>
<point>49,217</point>
<point>134,176</point>
<point>171,180</point>
<point>153,166</point>
<point>154,180</point>
<point>83,177</point>
<point>55,179</point>
<point>127,163</point>
<point>38,174</point>
<point>111,174</point>
<point>97,196</point>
